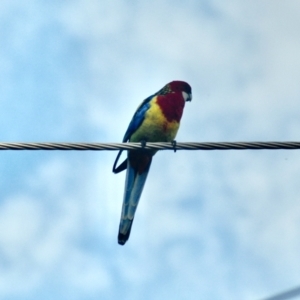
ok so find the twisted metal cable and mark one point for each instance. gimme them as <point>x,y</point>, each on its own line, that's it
<point>286,295</point>
<point>153,146</point>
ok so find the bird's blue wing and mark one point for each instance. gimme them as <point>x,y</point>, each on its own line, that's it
<point>134,124</point>
<point>137,118</point>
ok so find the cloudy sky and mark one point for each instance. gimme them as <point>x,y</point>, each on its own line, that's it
<point>210,225</point>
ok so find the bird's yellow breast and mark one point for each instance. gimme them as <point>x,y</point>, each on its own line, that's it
<point>155,127</point>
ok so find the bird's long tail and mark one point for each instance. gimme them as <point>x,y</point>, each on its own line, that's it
<point>138,166</point>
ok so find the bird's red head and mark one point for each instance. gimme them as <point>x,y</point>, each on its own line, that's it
<point>177,86</point>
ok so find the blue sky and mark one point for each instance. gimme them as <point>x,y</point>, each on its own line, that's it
<point>210,225</point>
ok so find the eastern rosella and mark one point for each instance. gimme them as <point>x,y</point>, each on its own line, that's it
<point>156,120</point>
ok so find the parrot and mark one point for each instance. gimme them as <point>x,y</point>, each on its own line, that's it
<point>156,119</point>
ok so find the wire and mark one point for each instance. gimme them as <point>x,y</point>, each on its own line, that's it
<point>156,146</point>
<point>286,295</point>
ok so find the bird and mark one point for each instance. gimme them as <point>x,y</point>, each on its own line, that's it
<point>156,119</point>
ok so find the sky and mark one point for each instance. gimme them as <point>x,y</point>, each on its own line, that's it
<point>210,224</point>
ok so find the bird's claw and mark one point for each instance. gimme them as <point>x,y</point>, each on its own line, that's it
<point>143,144</point>
<point>174,143</point>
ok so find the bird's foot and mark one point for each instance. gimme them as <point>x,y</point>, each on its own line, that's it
<point>174,143</point>
<point>143,144</point>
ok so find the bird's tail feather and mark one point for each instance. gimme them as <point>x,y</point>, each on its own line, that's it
<point>133,189</point>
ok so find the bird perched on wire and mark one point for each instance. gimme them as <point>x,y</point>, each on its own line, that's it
<point>155,120</point>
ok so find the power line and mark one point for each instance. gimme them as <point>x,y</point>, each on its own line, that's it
<point>153,146</point>
<point>286,295</point>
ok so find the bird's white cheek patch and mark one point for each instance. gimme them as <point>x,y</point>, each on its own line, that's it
<point>185,96</point>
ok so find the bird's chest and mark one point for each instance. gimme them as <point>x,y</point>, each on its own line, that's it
<point>156,127</point>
